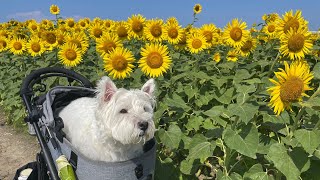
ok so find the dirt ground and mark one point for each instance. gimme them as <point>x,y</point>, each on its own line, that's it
<point>16,149</point>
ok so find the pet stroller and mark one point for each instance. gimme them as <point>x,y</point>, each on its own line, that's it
<point>43,107</point>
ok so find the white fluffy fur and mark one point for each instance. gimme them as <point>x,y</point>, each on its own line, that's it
<point>97,128</point>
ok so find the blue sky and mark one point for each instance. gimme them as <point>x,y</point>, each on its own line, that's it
<point>219,12</point>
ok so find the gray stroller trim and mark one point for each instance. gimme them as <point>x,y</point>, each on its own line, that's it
<point>138,168</point>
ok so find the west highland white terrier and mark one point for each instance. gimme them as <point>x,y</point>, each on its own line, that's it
<point>114,125</point>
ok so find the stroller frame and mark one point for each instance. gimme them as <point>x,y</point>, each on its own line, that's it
<point>27,92</point>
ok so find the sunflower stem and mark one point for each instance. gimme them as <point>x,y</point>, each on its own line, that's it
<point>273,63</point>
<point>297,119</point>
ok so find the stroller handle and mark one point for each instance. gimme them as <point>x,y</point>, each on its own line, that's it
<point>35,76</point>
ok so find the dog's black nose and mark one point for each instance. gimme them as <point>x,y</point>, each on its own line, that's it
<point>143,125</point>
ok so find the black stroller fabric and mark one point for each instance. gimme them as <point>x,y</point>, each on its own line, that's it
<point>39,170</point>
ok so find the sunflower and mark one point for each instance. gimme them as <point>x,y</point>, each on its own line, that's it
<point>268,18</point>
<point>235,34</point>
<point>35,46</point>
<point>136,26</point>
<point>96,30</point>
<point>196,42</point>
<point>80,39</point>
<point>209,32</point>
<point>121,29</point>
<point>173,33</point>
<point>46,24</point>
<point>3,44</point>
<point>107,43</point>
<point>197,9</point>
<point>154,30</point>
<point>17,46</point>
<point>216,57</point>
<point>50,39</point>
<point>296,43</point>
<point>292,83</point>
<point>108,23</point>
<point>83,24</point>
<point>248,47</point>
<point>232,55</point>
<point>70,55</point>
<point>155,59</point>
<point>54,9</point>
<point>172,20</point>
<point>33,26</point>
<point>4,33</point>
<point>270,30</point>
<point>119,63</point>
<point>290,20</point>
<point>70,23</point>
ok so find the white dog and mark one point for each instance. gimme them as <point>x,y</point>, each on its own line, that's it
<point>114,125</point>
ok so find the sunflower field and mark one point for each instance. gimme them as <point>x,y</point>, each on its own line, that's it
<point>234,102</point>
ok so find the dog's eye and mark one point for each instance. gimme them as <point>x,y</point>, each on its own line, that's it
<point>123,111</point>
<point>146,109</point>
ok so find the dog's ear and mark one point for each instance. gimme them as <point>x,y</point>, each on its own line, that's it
<point>149,87</point>
<point>106,89</point>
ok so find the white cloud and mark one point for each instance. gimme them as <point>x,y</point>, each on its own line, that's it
<point>23,16</point>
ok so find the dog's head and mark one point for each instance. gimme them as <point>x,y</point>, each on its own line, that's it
<point>126,115</point>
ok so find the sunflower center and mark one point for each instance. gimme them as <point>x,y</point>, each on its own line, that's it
<point>70,54</point>
<point>82,24</point>
<point>154,60</point>
<point>97,33</point>
<point>197,8</point>
<point>236,33</point>
<point>196,43</point>
<point>107,24</point>
<point>51,38</point>
<point>3,44</point>
<point>247,46</point>
<point>17,45</point>
<point>35,47</point>
<point>70,23</point>
<point>291,23</point>
<point>271,28</point>
<point>108,46</point>
<point>34,27</point>
<point>122,32</point>
<point>137,26</point>
<point>119,63</point>
<point>291,90</point>
<point>296,43</point>
<point>208,36</point>
<point>156,30</point>
<point>173,33</point>
<point>55,9</point>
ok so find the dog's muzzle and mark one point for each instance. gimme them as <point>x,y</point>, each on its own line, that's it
<point>143,126</point>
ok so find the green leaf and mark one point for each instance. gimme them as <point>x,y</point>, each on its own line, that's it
<point>195,140</point>
<point>191,91</point>
<point>283,162</point>
<point>240,75</point>
<point>201,151</point>
<point>316,71</point>
<point>308,139</point>
<point>227,96</point>
<point>189,166</point>
<point>172,137</point>
<point>312,103</point>
<point>245,111</point>
<point>300,159</point>
<point>215,111</point>
<point>245,142</point>
<point>194,123</point>
<point>176,101</point>
<point>283,118</point>
<point>243,93</point>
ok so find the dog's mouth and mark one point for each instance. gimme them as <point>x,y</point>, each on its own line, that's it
<point>142,133</point>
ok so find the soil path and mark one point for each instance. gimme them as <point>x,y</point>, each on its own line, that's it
<point>16,149</point>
